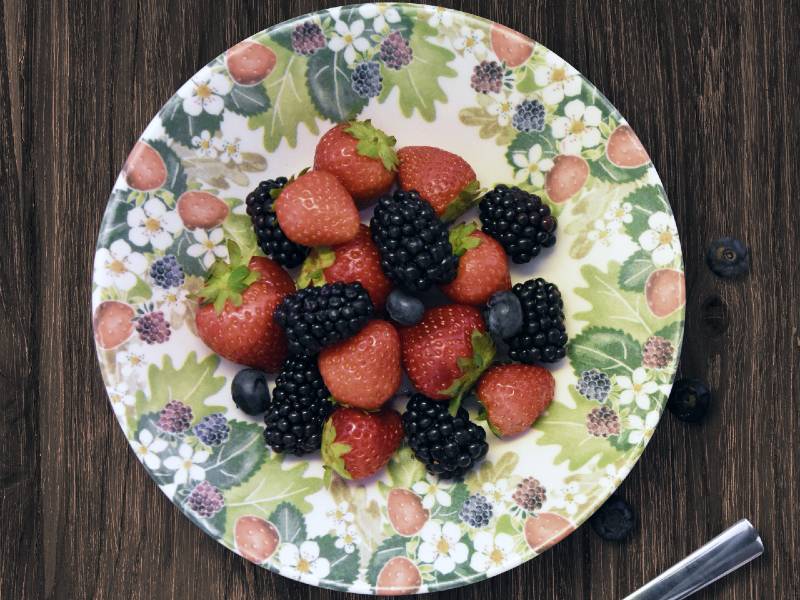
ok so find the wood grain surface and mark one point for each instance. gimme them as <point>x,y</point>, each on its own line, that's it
<point>712,88</point>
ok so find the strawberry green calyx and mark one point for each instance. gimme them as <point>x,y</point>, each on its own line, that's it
<point>484,416</point>
<point>466,199</point>
<point>333,454</point>
<point>228,280</point>
<point>461,238</point>
<point>472,367</point>
<point>374,143</point>
<point>275,192</point>
<point>311,273</point>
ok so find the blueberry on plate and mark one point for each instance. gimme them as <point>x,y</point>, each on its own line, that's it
<point>728,258</point>
<point>504,315</point>
<point>614,521</point>
<point>404,308</point>
<point>689,400</point>
<point>250,392</point>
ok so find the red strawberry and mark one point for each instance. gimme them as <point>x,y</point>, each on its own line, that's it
<point>364,370</point>
<point>446,352</point>
<point>356,443</point>
<point>442,178</point>
<point>315,209</point>
<point>356,260</point>
<point>514,396</point>
<point>235,319</point>
<point>361,156</point>
<point>482,266</point>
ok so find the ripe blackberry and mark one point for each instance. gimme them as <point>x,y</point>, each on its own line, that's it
<point>658,352</point>
<point>307,38</point>
<point>212,429</point>
<point>519,221</point>
<point>152,327</point>
<point>166,272</point>
<point>543,337</point>
<point>602,422</point>
<point>395,51</point>
<point>530,495</point>
<point>316,317</point>
<point>175,417</point>
<point>413,242</point>
<point>205,500</point>
<point>476,511</point>
<point>298,409</point>
<point>594,385</point>
<point>366,79</point>
<point>529,116</point>
<point>487,77</point>
<point>448,446</point>
<point>271,239</point>
<point>614,520</point>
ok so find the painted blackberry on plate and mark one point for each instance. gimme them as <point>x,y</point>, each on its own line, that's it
<point>474,126</point>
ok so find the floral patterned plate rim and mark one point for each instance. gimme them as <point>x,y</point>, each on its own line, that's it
<point>517,113</point>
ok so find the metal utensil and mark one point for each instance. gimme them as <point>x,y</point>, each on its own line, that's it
<point>731,549</point>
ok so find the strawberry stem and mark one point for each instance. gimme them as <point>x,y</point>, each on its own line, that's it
<point>374,143</point>
<point>227,281</point>
<point>483,352</point>
<point>461,238</point>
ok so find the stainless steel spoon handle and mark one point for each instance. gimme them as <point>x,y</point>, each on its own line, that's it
<point>727,552</point>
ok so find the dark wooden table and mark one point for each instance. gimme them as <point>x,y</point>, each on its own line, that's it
<point>712,88</point>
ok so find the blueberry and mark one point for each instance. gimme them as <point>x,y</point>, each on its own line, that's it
<point>250,392</point>
<point>404,308</point>
<point>504,315</point>
<point>689,400</point>
<point>614,520</point>
<point>728,258</point>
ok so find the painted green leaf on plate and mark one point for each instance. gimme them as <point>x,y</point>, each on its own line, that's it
<point>235,461</point>
<point>329,86</point>
<point>635,270</point>
<point>343,565</point>
<point>289,522</point>
<point>247,100</point>
<point>610,350</point>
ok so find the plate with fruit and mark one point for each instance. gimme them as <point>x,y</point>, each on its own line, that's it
<point>388,298</point>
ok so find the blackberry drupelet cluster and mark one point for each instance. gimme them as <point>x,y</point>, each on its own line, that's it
<point>212,429</point>
<point>603,422</point>
<point>448,446</point>
<point>519,221</point>
<point>205,500</point>
<point>487,77</point>
<point>594,385</point>
<point>175,417</point>
<point>153,328</point>
<point>366,79</point>
<point>413,242</point>
<point>543,337</point>
<point>298,409</point>
<point>316,317</point>
<point>529,495</point>
<point>307,38</point>
<point>529,116</point>
<point>476,511</point>
<point>657,352</point>
<point>166,272</point>
<point>395,51</point>
<point>271,239</point>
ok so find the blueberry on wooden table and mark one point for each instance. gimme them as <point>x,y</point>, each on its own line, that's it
<point>614,521</point>
<point>250,392</point>
<point>689,400</point>
<point>728,258</point>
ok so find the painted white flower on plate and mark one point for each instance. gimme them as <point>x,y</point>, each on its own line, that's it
<point>493,554</point>
<point>432,492</point>
<point>208,246</point>
<point>502,106</point>
<point>304,562</point>
<point>619,212</point>
<point>470,41</point>
<point>661,239</point>
<point>642,429</point>
<point>204,92</point>
<point>152,223</point>
<point>637,388</point>
<point>532,167</point>
<point>347,538</point>
<point>497,494</point>
<point>118,266</point>
<point>228,150</point>
<point>340,515</point>
<point>381,14</point>
<point>569,498</point>
<point>577,129</point>
<point>204,144</point>
<point>132,362</point>
<point>613,477</point>
<point>441,546</point>
<point>557,79</point>
<point>121,398</point>
<point>603,231</point>
<point>172,301</point>
<point>439,15</point>
<point>187,464</point>
<point>147,448</point>
<point>348,38</point>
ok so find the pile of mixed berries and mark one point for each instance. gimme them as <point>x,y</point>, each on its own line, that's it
<point>362,311</point>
